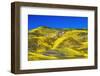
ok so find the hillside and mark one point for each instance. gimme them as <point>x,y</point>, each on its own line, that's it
<point>46,43</point>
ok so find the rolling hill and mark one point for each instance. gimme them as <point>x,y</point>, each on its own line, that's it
<point>45,43</point>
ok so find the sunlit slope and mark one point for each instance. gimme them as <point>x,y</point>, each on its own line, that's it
<point>48,43</point>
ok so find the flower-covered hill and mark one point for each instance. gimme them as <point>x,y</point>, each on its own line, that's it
<point>46,43</point>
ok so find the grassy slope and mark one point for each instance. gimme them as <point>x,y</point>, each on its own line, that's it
<point>47,44</point>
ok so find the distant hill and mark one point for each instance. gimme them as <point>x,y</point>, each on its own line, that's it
<point>45,43</point>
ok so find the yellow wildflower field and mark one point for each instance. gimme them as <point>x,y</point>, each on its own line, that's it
<point>52,44</point>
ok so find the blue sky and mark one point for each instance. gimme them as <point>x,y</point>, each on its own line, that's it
<point>35,21</point>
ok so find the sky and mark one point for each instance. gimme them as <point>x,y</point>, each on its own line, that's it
<point>35,21</point>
